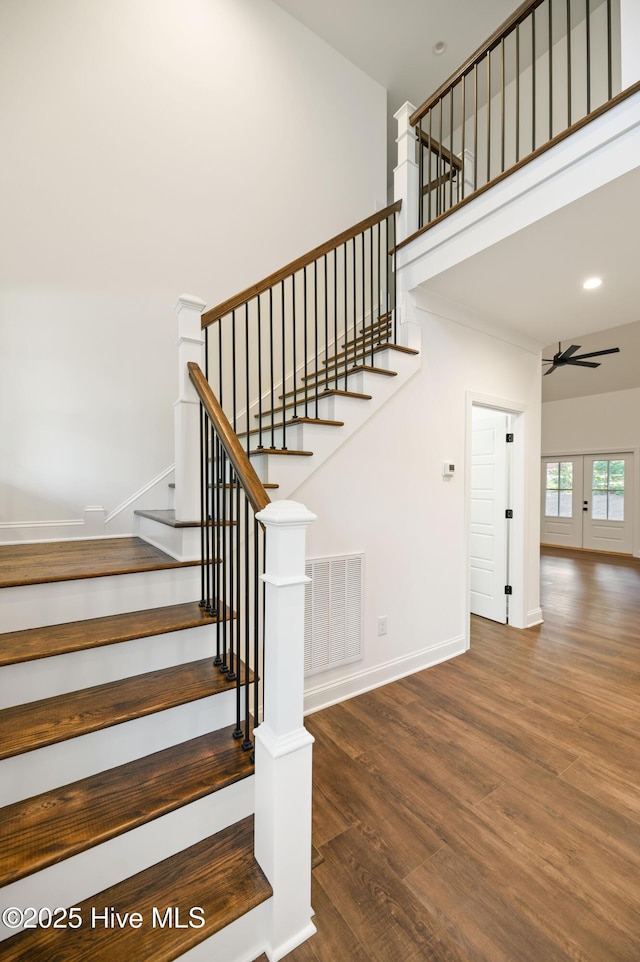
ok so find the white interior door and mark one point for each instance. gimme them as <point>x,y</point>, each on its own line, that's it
<point>586,502</point>
<point>488,547</point>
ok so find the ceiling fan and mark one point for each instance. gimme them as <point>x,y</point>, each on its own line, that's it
<point>569,356</point>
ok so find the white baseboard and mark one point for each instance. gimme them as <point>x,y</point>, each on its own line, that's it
<point>534,617</point>
<point>359,682</point>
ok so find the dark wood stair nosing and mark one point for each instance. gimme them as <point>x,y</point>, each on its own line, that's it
<point>51,562</point>
<point>38,724</point>
<point>332,392</point>
<point>218,874</point>
<point>30,644</point>
<point>62,822</point>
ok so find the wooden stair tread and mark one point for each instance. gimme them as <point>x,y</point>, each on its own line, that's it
<point>337,372</point>
<point>332,392</point>
<point>32,643</point>
<point>60,823</point>
<point>219,874</point>
<point>32,564</point>
<point>266,428</point>
<point>33,725</point>
<point>285,451</point>
<point>356,354</point>
<point>168,516</point>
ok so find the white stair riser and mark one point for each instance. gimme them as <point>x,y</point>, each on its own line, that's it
<point>183,544</point>
<point>81,876</point>
<point>242,941</point>
<point>45,677</point>
<point>37,771</point>
<point>32,606</point>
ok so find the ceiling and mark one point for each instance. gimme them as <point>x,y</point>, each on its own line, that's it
<point>542,267</point>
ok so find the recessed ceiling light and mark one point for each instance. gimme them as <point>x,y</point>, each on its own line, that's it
<point>439,47</point>
<point>591,283</point>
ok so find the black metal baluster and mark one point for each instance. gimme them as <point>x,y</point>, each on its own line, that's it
<point>203,509</point>
<point>420,175</point>
<point>235,671</point>
<point>355,287</point>
<point>488,59</point>
<point>587,20</point>
<point>260,445</point>
<point>222,562</point>
<point>305,344</point>
<point>550,31</point>
<point>361,352</point>
<point>271,369</point>
<point>502,113</point>
<point>217,497</point>
<point>461,175</point>
<point>609,54</point>
<point>379,297</point>
<point>247,744</point>
<point>533,80</point>
<point>517,92</point>
<point>234,355</point>
<point>439,182</point>
<point>247,398</point>
<point>294,332</point>
<point>369,327</point>
<point>569,72</point>
<point>284,372</point>
<point>345,319</point>
<point>326,319</point>
<point>452,169</point>
<point>335,305</point>
<point>393,280</point>
<point>475,126</point>
<point>429,159</point>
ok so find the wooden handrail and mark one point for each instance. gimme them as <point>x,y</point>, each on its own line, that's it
<point>436,148</point>
<point>215,313</point>
<point>251,483</point>
<point>516,17</point>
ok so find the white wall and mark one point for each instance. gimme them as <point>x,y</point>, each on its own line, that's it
<point>598,422</point>
<point>151,148</point>
<point>411,522</point>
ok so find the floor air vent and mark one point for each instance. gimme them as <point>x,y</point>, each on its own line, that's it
<point>333,612</point>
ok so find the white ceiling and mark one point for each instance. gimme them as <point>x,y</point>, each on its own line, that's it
<point>541,268</point>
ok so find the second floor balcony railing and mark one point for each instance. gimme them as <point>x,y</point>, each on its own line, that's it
<point>550,67</point>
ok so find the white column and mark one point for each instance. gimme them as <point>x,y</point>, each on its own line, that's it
<point>186,410</point>
<point>282,744</point>
<point>405,175</point>
<point>630,37</point>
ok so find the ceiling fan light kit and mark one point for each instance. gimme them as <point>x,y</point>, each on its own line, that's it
<point>569,357</point>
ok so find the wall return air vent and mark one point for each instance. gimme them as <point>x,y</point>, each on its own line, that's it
<point>333,612</point>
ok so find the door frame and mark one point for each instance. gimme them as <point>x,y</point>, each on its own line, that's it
<point>633,449</point>
<point>518,615</point>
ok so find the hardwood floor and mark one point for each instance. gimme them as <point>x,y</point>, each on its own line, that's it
<point>488,810</point>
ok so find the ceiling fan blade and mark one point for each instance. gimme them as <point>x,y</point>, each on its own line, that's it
<point>551,369</point>
<point>576,363</point>
<point>610,350</point>
<point>569,351</point>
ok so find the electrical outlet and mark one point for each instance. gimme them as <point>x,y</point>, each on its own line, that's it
<point>382,625</point>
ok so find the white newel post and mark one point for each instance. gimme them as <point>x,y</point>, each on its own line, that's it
<point>405,175</point>
<point>282,744</point>
<point>186,410</point>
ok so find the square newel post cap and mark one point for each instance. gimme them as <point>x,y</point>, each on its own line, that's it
<point>189,302</point>
<point>286,513</point>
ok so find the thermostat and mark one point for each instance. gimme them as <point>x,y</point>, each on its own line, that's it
<point>448,469</point>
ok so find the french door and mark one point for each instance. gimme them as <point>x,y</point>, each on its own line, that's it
<point>586,502</point>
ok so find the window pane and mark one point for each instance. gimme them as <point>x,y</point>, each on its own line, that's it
<point>616,505</point>
<point>600,475</point>
<point>552,476</point>
<point>566,504</point>
<point>616,474</point>
<point>551,505</point>
<point>566,475</point>
<point>599,505</point>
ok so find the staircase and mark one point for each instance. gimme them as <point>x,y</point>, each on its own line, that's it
<point>133,824</point>
<point>123,790</point>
